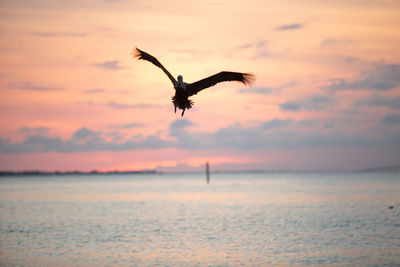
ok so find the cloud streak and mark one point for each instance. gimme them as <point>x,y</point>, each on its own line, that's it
<point>32,87</point>
<point>382,77</point>
<point>378,101</point>
<point>289,27</point>
<point>267,89</point>
<point>109,65</point>
<point>258,49</point>
<point>332,42</point>
<point>117,105</point>
<point>286,134</point>
<point>82,140</point>
<point>59,34</point>
<point>127,125</point>
<point>93,91</point>
<point>391,119</point>
<point>34,130</point>
<point>314,102</point>
<point>277,133</point>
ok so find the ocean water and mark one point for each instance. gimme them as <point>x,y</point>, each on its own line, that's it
<point>255,219</point>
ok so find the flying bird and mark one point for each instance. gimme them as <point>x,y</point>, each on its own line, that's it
<point>184,90</point>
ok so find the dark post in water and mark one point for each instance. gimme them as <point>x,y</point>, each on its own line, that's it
<point>208,172</point>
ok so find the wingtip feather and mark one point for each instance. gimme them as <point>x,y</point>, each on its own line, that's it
<point>137,53</point>
<point>249,78</point>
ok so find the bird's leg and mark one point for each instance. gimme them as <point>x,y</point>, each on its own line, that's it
<point>175,108</point>
<point>183,112</point>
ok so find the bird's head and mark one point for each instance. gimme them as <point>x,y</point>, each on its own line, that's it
<point>181,83</point>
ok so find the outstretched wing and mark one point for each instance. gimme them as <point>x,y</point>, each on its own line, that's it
<point>139,54</point>
<point>223,76</point>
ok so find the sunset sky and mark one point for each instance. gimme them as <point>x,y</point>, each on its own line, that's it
<point>326,95</point>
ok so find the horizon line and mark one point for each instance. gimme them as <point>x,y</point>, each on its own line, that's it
<point>391,168</point>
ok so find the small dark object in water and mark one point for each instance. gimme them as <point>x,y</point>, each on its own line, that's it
<point>208,172</point>
<point>391,207</point>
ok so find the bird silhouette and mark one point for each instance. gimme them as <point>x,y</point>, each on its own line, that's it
<point>184,90</point>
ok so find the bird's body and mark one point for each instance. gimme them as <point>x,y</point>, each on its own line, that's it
<point>184,90</point>
<point>181,97</point>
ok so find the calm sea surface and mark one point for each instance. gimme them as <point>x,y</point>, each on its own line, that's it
<point>267,219</point>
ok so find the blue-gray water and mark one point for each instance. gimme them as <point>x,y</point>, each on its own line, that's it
<point>300,219</point>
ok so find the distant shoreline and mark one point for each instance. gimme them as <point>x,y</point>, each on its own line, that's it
<point>34,173</point>
<point>395,168</point>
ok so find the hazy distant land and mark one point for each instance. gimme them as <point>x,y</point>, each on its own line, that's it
<point>394,168</point>
<point>94,172</point>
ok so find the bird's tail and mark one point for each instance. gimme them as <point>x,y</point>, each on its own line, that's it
<point>186,105</point>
